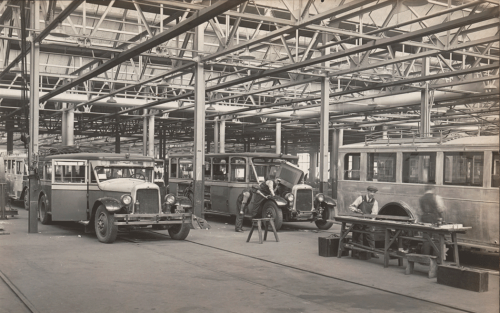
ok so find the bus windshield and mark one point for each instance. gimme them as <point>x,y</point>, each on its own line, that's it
<point>266,168</point>
<point>104,173</point>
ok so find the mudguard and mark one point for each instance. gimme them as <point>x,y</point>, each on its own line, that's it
<point>330,202</point>
<point>111,204</point>
<point>280,202</point>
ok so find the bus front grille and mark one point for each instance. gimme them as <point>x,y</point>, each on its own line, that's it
<point>148,201</point>
<point>304,200</point>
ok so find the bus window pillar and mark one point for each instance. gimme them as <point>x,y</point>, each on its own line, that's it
<point>440,168</point>
<point>399,167</point>
<point>313,163</point>
<point>199,123</point>
<point>9,125</point>
<point>117,134</point>
<point>337,136</point>
<point>278,136</point>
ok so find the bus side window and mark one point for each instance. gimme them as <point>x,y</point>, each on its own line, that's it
<point>185,168</point>
<point>495,171</point>
<point>238,170</point>
<point>419,167</point>
<point>352,166</point>
<point>381,167</point>
<point>463,168</point>
<point>208,168</point>
<point>220,169</point>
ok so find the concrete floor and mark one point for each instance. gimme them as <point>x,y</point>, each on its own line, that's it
<point>62,269</point>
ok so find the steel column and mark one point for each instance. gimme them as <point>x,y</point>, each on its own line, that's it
<point>324,123</point>
<point>9,125</point>
<point>199,123</point>
<point>145,132</point>
<point>216,134</point>
<point>34,118</point>
<point>68,125</point>
<point>151,135</point>
<point>337,135</point>
<point>222,131</point>
<point>278,136</point>
<point>425,110</point>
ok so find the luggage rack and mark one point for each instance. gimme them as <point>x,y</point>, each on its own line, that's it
<point>401,136</point>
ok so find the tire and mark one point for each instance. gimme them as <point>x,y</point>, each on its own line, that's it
<point>105,229</point>
<point>179,231</point>
<point>270,209</point>
<point>159,227</point>
<point>326,215</point>
<point>43,215</point>
<point>26,199</point>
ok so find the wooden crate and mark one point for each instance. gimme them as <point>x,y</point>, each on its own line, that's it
<point>328,247</point>
<point>464,278</point>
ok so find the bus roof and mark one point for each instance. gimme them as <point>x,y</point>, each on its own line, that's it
<point>100,156</point>
<point>483,142</point>
<point>242,154</point>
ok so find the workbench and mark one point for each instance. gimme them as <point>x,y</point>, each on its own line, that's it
<point>399,230</point>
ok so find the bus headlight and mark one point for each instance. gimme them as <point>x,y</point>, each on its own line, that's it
<point>320,197</point>
<point>289,197</point>
<point>170,199</point>
<point>126,199</point>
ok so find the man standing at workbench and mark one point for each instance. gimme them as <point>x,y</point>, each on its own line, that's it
<point>365,204</point>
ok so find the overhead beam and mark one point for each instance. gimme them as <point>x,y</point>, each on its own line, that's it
<point>196,19</point>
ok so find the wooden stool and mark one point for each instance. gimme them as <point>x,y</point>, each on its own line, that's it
<point>258,222</point>
<point>422,258</point>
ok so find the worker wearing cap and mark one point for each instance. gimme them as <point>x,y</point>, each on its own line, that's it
<point>263,191</point>
<point>365,204</point>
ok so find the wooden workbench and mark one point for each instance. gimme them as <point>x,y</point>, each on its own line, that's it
<point>395,230</point>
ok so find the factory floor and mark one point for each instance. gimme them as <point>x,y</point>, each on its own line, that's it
<point>62,269</point>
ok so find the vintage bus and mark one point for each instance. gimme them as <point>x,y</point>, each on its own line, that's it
<point>227,174</point>
<point>105,192</point>
<point>465,172</point>
<point>17,177</point>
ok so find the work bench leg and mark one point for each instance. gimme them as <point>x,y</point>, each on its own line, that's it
<point>442,249</point>
<point>342,231</point>
<point>259,225</point>
<point>400,247</point>
<point>386,247</point>
<point>265,231</point>
<point>455,247</point>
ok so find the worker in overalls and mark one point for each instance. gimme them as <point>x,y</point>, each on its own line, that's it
<point>242,207</point>
<point>365,204</point>
<point>432,207</point>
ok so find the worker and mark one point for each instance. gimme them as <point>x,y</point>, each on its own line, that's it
<point>262,192</point>
<point>432,207</point>
<point>365,204</point>
<point>242,207</point>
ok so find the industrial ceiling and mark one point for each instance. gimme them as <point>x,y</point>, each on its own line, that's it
<point>263,62</point>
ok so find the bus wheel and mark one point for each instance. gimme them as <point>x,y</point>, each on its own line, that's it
<point>43,215</point>
<point>179,231</point>
<point>324,224</point>
<point>105,227</point>
<point>26,199</point>
<point>271,210</point>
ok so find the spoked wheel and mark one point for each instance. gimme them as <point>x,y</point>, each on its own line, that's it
<point>179,231</point>
<point>105,227</point>
<point>43,215</point>
<point>271,210</point>
<point>324,224</point>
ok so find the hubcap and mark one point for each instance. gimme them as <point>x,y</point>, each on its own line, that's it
<point>101,223</point>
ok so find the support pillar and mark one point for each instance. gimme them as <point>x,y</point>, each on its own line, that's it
<point>337,137</point>
<point>278,136</point>
<point>117,135</point>
<point>151,135</point>
<point>68,124</point>
<point>312,166</point>
<point>222,131</point>
<point>9,125</point>
<point>216,134</point>
<point>425,109</point>
<point>34,118</point>
<point>199,124</point>
<point>144,132</point>
<point>325,123</point>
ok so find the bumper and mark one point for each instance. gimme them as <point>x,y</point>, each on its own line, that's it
<point>153,219</point>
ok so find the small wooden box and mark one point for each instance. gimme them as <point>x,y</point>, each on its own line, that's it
<point>329,247</point>
<point>464,278</point>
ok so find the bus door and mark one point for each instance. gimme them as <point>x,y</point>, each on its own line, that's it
<point>18,178</point>
<point>219,193</point>
<point>69,190</point>
<point>237,181</point>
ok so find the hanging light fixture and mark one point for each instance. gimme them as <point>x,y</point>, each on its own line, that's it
<point>111,100</point>
<point>246,55</point>
<point>490,87</point>
<point>163,83</point>
<point>294,114</point>
<point>59,32</point>
<point>210,108</point>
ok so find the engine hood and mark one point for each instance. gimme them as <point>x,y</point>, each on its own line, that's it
<point>125,185</point>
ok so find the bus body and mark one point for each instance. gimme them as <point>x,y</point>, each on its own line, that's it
<point>17,178</point>
<point>106,191</point>
<point>465,173</point>
<point>227,174</point>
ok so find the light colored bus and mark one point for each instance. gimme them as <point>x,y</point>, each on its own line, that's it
<point>17,177</point>
<point>465,172</point>
<point>105,192</point>
<point>227,174</point>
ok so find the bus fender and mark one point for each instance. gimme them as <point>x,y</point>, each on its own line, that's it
<point>280,202</point>
<point>111,204</point>
<point>330,202</point>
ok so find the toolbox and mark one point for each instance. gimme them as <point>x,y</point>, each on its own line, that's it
<point>328,246</point>
<point>462,277</point>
